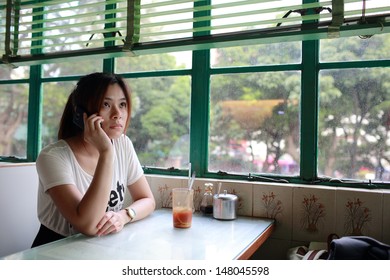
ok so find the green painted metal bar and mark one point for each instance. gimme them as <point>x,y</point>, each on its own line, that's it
<point>337,18</point>
<point>35,104</point>
<point>309,109</point>
<point>108,63</point>
<point>255,69</point>
<point>131,12</point>
<point>287,34</point>
<point>200,90</point>
<point>354,64</point>
<point>34,113</point>
<point>199,130</point>
<point>136,30</point>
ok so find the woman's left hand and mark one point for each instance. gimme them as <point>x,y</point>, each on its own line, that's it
<point>110,223</point>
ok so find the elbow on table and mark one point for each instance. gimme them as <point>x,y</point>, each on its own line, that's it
<point>153,204</point>
<point>88,230</point>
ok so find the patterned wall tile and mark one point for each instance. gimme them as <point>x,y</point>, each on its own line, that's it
<point>162,190</point>
<point>359,212</point>
<point>274,201</point>
<point>313,213</point>
<point>200,189</point>
<point>128,198</point>
<point>386,217</point>
<point>244,193</point>
<point>303,213</point>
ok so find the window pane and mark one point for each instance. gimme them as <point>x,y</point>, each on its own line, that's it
<point>354,124</point>
<point>355,48</point>
<point>8,73</point>
<point>153,62</point>
<point>159,127</point>
<point>13,116</point>
<point>254,123</point>
<point>272,54</point>
<point>80,66</point>
<point>55,96</point>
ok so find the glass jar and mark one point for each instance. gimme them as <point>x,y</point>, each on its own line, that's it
<point>206,206</point>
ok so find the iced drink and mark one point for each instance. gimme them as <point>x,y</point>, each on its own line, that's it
<point>182,207</point>
<point>182,217</point>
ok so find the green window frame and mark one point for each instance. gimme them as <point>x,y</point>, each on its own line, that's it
<point>200,73</point>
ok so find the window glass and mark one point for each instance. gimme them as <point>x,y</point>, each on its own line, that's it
<point>13,116</point>
<point>355,48</point>
<point>272,54</point>
<point>73,67</point>
<point>159,127</point>
<point>55,95</point>
<point>354,124</point>
<point>254,123</point>
<point>153,62</point>
<point>7,72</point>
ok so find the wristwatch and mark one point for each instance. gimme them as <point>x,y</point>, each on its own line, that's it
<point>131,213</point>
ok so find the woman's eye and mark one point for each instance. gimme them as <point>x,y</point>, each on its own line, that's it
<point>106,105</point>
<point>123,105</point>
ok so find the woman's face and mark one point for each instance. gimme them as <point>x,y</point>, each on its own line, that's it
<point>114,111</point>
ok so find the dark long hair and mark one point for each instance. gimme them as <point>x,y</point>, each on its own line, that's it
<point>89,94</point>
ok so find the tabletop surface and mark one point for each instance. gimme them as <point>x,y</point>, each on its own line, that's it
<point>155,238</point>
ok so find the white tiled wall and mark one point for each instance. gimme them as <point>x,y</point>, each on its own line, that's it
<point>313,213</point>
<point>386,217</point>
<point>303,213</point>
<point>344,211</point>
<point>18,207</point>
<point>275,201</point>
<point>360,212</point>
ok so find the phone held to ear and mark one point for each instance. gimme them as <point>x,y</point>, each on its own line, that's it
<point>78,117</point>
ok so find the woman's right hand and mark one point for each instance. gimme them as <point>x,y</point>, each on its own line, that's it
<point>94,133</point>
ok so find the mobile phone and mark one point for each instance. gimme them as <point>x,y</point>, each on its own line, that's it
<point>78,117</point>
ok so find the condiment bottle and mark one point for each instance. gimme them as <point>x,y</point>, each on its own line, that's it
<point>206,206</point>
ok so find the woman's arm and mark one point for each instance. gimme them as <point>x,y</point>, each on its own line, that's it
<point>84,212</point>
<point>143,205</point>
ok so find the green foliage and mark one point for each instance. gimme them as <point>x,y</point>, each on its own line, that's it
<point>353,119</point>
<point>353,113</point>
<point>161,108</point>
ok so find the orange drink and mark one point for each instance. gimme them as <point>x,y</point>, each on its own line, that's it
<point>182,217</point>
<point>182,207</point>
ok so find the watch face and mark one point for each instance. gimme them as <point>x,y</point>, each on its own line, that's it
<point>131,212</point>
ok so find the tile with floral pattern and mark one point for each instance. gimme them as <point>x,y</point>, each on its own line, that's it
<point>313,213</point>
<point>359,212</point>
<point>275,202</point>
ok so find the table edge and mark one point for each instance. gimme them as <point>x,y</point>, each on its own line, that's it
<point>251,248</point>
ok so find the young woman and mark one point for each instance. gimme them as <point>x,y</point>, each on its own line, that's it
<point>83,176</point>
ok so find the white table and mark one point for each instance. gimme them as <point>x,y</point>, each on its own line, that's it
<point>155,238</point>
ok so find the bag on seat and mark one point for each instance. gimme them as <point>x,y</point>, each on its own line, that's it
<point>358,248</point>
<point>315,251</point>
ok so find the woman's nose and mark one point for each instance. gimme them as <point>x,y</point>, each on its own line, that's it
<point>116,113</point>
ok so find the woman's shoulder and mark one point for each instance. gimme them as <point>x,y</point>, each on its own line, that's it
<point>123,141</point>
<point>56,149</point>
<point>55,146</point>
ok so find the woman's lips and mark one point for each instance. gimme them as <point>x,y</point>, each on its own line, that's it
<point>116,126</point>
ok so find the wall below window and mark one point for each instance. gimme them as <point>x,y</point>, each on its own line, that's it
<point>303,213</point>
<point>18,207</point>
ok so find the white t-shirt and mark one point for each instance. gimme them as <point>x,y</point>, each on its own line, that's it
<point>57,165</point>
